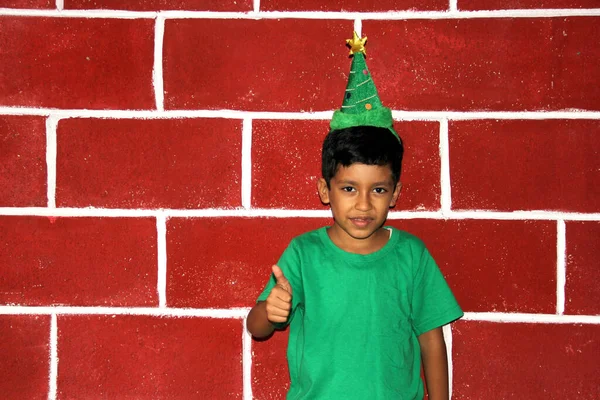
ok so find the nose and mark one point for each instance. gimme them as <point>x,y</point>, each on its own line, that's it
<point>363,202</point>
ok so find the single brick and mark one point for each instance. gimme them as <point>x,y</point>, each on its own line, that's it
<point>582,292</point>
<point>225,262</point>
<point>91,63</point>
<point>420,175</point>
<point>286,163</point>
<point>286,154</point>
<point>27,3</point>
<point>346,5</point>
<point>524,4</point>
<point>158,5</point>
<point>465,64</point>
<point>22,161</point>
<point>271,65</point>
<point>145,357</point>
<point>25,361</point>
<point>525,165</point>
<point>525,361</point>
<point>156,163</point>
<point>270,374</point>
<point>78,261</point>
<point>493,266</point>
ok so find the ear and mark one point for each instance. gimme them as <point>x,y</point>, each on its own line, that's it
<point>323,191</point>
<point>395,195</point>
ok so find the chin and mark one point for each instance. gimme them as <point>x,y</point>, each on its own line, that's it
<point>361,235</point>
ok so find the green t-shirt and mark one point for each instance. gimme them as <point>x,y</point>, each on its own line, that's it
<point>356,318</point>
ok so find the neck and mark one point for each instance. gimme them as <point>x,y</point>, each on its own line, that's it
<point>369,245</point>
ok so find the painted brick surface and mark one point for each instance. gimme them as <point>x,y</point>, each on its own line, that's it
<point>467,64</point>
<point>123,167</point>
<point>271,378</point>
<point>493,266</point>
<point>286,164</point>
<point>170,163</point>
<point>524,4</point>
<point>25,356</point>
<point>157,5</point>
<point>225,262</point>
<point>525,361</point>
<point>357,6</point>
<point>22,161</point>
<point>582,292</point>
<point>250,68</point>
<point>525,165</point>
<point>27,4</point>
<point>90,63</point>
<point>145,357</point>
<point>78,261</point>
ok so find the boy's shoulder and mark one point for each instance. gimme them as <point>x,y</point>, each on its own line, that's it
<point>309,238</point>
<point>406,237</point>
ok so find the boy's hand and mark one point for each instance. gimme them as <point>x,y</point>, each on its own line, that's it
<point>279,302</point>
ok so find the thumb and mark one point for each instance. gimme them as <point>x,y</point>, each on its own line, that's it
<point>280,278</point>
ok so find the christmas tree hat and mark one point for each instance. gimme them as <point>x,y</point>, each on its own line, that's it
<point>361,105</point>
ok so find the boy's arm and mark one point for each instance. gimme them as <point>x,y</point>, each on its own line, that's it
<point>435,364</point>
<point>258,323</point>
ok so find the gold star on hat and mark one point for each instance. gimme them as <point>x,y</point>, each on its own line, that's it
<point>357,45</point>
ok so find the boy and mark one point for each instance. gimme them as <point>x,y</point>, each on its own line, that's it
<point>365,303</point>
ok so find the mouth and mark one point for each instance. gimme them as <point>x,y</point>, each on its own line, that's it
<point>361,222</point>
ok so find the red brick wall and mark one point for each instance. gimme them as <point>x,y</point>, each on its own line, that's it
<point>154,164</point>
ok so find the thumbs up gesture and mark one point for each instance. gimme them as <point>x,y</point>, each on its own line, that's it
<point>279,302</point>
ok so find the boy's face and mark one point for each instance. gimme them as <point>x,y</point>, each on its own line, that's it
<point>360,197</point>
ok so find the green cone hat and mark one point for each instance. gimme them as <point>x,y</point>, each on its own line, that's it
<point>361,105</point>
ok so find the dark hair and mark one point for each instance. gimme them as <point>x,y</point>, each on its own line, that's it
<point>368,145</point>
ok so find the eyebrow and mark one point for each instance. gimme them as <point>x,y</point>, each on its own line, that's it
<point>383,183</point>
<point>353,183</point>
<point>347,182</point>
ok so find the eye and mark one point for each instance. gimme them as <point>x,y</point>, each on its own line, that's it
<point>380,190</point>
<point>348,189</point>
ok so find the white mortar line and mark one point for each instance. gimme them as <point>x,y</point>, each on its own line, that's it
<point>320,115</point>
<point>256,6</point>
<point>398,215</point>
<point>339,15</point>
<point>51,126</point>
<point>358,27</point>
<point>53,358</point>
<point>445,185</point>
<point>453,6</point>
<point>278,213</point>
<point>561,258</point>
<point>161,247</point>
<point>99,212</point>
<point>154,114</point>
<point>503,115</point>
<point>237,313</point>
<point>60,5</point>
<point>61,13</point>
<point>247,362</point>
<point>241,313</point>
<point>391,15</point>
<point>246,184</point>
<point>75,212</point>
<point>447,330</point>
<point>157,71</point>
<point>531,318</point>
<point>523,215</point>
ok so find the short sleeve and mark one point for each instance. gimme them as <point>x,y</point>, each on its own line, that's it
<point>433,303</point>
<point>289,262</point>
